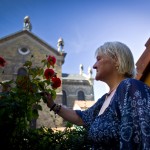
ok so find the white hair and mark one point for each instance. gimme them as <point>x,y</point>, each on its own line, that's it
<point>123,54</point>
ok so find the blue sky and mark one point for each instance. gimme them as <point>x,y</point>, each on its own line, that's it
<point>83,24</point>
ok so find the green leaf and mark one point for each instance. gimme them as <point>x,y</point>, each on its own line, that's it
<point>41,86</point>
<point>28,64</point>
<point>35,114</point>
<point>53,93</point>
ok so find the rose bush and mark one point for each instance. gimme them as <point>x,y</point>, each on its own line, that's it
<point>19,105</point>
<point>20,98</point>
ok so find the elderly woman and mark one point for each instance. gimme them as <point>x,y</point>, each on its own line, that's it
<point>120,119</point>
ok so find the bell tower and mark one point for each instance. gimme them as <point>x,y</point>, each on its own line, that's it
<point>27,24</point>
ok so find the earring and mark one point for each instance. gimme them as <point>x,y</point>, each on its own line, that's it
<point>117,67</point>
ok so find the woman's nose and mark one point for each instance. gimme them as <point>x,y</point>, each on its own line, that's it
<point>94,66</point>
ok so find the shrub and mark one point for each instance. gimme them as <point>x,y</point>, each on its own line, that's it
<point>19,106</point>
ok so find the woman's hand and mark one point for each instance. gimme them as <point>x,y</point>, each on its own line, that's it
<point>50,101</point>
<point>66,113</point>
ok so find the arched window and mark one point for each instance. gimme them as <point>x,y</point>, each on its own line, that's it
<point>64,100</point>
<point>22,71</point>
<point>81,95</point>
<point>22,78</point>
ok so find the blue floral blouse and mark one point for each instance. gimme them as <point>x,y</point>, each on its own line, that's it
<point>125,124</point>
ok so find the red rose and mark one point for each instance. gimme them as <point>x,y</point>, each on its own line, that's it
<point>56,82</point>
<point>2,62</point>
<point>49,73</point>
<point>51,60</point>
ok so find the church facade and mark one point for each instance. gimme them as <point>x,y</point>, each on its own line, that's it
<point>23,45</point>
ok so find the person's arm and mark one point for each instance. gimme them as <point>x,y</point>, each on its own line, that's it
<point>66,113</point>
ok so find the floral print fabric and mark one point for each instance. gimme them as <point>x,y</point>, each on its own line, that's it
<point>125,124</point>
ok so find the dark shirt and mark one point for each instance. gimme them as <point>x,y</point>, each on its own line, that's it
<point>125,124</point>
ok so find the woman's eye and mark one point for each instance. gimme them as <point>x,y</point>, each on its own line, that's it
<point>98,59</point>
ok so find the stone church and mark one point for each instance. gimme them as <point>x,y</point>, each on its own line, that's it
<point>75,90</point>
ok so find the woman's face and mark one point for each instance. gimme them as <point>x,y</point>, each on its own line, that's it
<point>105,67</point>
